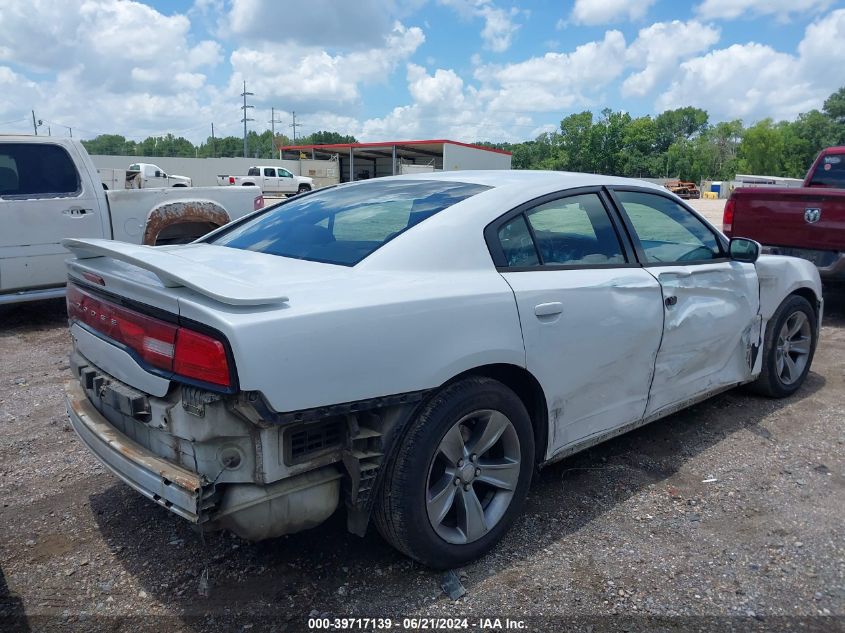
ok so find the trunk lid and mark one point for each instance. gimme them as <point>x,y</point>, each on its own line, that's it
<point>198,287</point>
<point>787,217</point>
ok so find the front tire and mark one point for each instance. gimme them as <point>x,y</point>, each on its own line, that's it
<point>303,189</point>
<point>788,348</point>
<point>460,475</point>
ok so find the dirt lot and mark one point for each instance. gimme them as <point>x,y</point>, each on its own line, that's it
<point>726,515</point>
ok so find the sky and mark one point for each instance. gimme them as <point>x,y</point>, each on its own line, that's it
<point>465,70</point>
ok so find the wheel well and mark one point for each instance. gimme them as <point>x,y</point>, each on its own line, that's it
<point>810,296</point>
<point>184,232</point>
<point>524,385</point>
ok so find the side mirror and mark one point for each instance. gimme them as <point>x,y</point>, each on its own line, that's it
<point>744,250</point>
<point>158,174</point>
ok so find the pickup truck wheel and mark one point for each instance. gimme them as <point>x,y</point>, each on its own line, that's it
<point>303,189</point>
<point>788,348</point>
<point>460,475</point>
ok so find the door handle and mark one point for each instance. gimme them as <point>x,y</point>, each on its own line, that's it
<point>670,301</point>
<point>76,212</point>
<point>548,309</point>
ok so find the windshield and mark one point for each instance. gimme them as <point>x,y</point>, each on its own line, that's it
<point>830,172</point>
<point>343,225</point>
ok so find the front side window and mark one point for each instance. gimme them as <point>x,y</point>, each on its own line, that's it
<point>668,232</point>
<point>284,173</point>
<point>29,169</point>
<point>343,225</point>
<point>572,231</point>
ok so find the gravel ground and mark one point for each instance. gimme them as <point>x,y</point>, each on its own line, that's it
<point>729,514</point>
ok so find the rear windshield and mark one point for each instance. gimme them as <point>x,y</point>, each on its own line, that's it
<point>343,225</point>
<point>830,172</point>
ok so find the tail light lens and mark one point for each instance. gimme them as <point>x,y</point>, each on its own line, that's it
<point>258,203</point>
<point>163,345</point>
<point>201,357</point>
<point>728,217</point>
<point>231,180</point>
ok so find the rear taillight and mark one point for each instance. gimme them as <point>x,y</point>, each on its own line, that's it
<point>728,217</point>
<point>201,357</point>
<point>160,344</point>
<point>231,180</point>
<point>258,203</point>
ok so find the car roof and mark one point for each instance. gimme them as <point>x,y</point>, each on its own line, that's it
<point>535,179</point>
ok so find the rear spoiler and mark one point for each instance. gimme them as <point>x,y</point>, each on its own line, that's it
<point>177,272</point>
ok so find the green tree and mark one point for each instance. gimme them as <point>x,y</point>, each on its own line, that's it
<point>679,124</point>
<point>761,149</point>
<point>576,141</point>
<point>834,106</point>
<point>109,145</point>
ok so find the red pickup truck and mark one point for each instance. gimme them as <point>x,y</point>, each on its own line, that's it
<point>806,222</point>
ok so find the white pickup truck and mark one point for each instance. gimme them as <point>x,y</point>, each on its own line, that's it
<point>140,176</point>
<point>272,180</point>
<point>50,191</point>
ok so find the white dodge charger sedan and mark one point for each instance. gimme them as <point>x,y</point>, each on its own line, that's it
<point>413,348</point>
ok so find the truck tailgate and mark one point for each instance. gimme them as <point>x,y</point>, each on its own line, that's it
<point>782,217</point>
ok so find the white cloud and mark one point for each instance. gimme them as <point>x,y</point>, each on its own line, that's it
<point>111,42</point>
<point>781,9</point>
<point>312,75</point>
<point>753,81</point>
<point>594,12</point>
<point>499,24</point>
<point>659,48</point>
<point>556,81</point>
<point>318,23</point>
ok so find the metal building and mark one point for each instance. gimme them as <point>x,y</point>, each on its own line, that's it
<point>359,161</point>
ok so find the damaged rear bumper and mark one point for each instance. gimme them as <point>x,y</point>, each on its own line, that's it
<point>179,490</point>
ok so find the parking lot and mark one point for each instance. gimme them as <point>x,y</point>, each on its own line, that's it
<point>727,514</point>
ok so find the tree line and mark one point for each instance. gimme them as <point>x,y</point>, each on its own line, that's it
<point>260,145</point>
<point>680,143</point>
<point>683,144</point>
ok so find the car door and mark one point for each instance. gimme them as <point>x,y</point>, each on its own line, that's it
<point>287,183</point>
<point>43,200</point>
<point>271,180</point>
<point>711,304</point>
<point>591,316</point>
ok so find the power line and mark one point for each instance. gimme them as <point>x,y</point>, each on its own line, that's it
<point>294,125</point>
<point>244,120</point>
<point>273,122</point>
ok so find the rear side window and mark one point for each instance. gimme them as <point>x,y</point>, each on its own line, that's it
<point>668,232</point>
<point>571,231</point>
<point>830,172</point>
<point>270,171</point>
<point>44,170</point>
<point>343,225</point>
<point>253,171</point>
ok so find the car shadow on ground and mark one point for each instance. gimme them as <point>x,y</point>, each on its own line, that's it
<point>12,614</point>
<point>33,316</point>
<point>325,568</point>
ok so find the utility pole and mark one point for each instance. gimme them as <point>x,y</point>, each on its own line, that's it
<point>244,120</point>
<point>273,122</point>
<point>34,124</point>
<point>295,125</point>
<point>213,142</point>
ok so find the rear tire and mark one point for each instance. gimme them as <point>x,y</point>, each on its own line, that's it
<point>445,515</point>
<point>788,348</point>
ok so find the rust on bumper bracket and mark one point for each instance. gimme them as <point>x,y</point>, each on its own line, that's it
<point>180,491</point>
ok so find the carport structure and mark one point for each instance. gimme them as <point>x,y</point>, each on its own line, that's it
<point>360,161</point>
